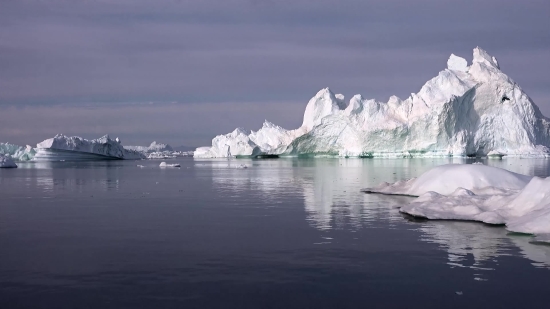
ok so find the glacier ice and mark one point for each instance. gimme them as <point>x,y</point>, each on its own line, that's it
<point>479,193</point>
<point>17,153</point>
<point>474,110</point>
<point>6,161</point>
<point>75,148</point>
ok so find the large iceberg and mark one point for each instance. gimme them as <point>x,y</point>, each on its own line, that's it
<point>480,193</point>
<point>6,161</point>
<point>467,110</point>
<point>17,153</point>
<point>64,148</point>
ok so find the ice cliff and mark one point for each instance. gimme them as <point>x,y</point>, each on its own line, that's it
<point>64,148</point>
<point>467,110</point>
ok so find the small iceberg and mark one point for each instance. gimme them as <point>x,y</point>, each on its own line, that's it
<point>164,164</point>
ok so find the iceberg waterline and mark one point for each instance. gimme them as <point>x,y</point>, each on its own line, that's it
<point>479,193</point>
<point>467,110</point>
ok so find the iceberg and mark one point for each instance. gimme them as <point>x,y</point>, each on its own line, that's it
<point>6,162</point>
<point>64,148</point>
<point>154,147</point>
<point>17,153</point>
<point>479,193</point>
<point>467,110</point>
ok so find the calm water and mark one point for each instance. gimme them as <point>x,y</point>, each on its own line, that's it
<point>283,233</point>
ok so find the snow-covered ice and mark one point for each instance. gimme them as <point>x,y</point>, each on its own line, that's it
<point>6,161</point>
<point>61,147</point>
<point>479,193</point>
<point>164,164</point>
<point>466,110</point>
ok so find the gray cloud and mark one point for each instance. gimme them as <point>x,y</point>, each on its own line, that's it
<point>252,53</point>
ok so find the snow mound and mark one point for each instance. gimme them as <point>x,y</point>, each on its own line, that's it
<point>164,164</point>
<point>474,110</point>
<point>75,148</point>
<point>446,179</point>
<point>479,193</point>
<point>17,153</point>
<point>6,162</point>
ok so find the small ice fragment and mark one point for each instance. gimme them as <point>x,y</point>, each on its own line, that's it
<point>163,164</point>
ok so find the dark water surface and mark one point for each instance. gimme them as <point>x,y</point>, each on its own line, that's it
<point>283,233</point>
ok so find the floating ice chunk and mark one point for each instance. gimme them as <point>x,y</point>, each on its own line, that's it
<point>479,193</point>
<point>164,164</point>
<point>6,162</point>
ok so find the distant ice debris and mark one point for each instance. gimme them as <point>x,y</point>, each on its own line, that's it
<point>479,193</point>
<point>64,148</point>
<point>160,151</point>
<point>6,162</point>
<point>164,164</point>
<point>154,147</point>
<point>474,110</point>
<point>242,166</point>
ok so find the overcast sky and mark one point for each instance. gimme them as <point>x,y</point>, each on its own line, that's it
<point>184,71</point>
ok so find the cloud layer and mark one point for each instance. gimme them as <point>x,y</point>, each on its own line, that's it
<point>105,54</point>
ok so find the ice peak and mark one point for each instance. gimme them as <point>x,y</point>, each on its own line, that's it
<point>268,124</point>
<point>325,93</point>
<point>481,56</point>
<point>457,63</point>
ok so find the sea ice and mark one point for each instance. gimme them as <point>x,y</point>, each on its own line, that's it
<point>479,193</point>
<point>474,110</point>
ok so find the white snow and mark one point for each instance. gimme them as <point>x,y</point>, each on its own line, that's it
<point>17,153</point>
<point>62,147</point>
<point>164,164</point>
<point>465,110</point>
<point>6,161</point>
<point>480,193</point>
